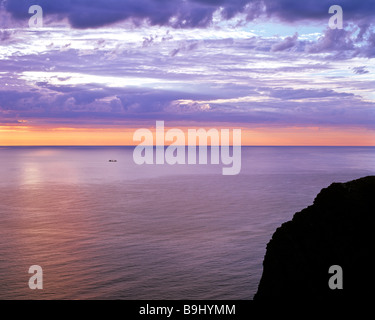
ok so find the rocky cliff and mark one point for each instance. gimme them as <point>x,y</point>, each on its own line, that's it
<point>338,229</point>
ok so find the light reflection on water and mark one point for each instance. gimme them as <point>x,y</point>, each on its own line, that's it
<point>118,230</point>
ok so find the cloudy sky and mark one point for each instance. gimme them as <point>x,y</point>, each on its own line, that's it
<point>99,69</point>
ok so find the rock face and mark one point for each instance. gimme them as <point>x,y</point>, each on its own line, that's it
<point>338,229</point>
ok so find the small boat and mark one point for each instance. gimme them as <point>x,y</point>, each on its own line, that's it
<point>112,161</point>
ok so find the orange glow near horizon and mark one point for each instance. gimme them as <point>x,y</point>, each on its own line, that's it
<point>262,136</point>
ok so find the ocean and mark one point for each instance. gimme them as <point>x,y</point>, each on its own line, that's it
<point>117,230</point>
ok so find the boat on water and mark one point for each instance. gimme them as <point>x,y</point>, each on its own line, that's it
<point>112,161</point>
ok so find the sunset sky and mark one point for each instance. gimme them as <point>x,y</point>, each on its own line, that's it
<point>99,69</point>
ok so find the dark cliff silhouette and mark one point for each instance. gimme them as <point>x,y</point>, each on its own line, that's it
<point>338,229</point>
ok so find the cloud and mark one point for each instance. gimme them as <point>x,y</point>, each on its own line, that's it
<point>360,70</point>
<point>357,39</point>
<point>287,43</point>
<point>184,48</point>
<point>106,106</point>
<point>5,35</point>
<point>96,13</point>
<point>314,10</point>
<point>220,74</point>
<point>333,40</point>
<point>298,94</point>
<point>186,13</point>
<point>343,44</point>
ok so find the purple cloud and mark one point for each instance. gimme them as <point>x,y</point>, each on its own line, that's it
<point>333,40</point>
<point>5,35</point>
<point>82,104</point>
<point>293,94</point>
<point>287,43</point>
<point>360,70</point>
<point>291,11</point>
<point>344,45</point>
<point>186,14</point>
<point>100,76</point>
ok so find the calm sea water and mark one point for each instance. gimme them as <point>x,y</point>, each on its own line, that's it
<point>104,230</point>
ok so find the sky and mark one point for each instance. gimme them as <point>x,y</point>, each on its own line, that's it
<point>99,69</point>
